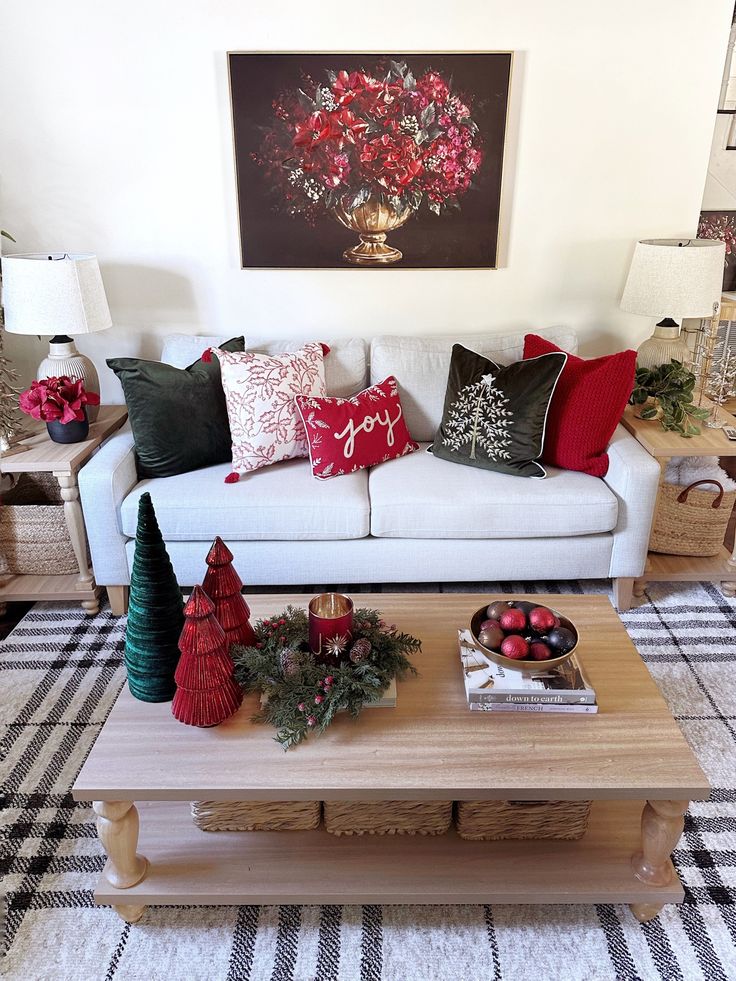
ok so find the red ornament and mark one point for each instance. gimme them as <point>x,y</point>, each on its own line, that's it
<point>222,584</point>
<point>206,692</point>
<point>515,647</point>
<point>513,621</point>
<point>541,619</point>
<point>539,651</point>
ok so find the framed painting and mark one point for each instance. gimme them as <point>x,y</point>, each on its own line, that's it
<point>373,161</point>
<point>721,225</point>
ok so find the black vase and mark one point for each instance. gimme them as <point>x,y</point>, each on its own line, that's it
<point>68,432</point>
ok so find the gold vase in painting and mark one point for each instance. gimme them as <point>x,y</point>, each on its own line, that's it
<point>372,221</point>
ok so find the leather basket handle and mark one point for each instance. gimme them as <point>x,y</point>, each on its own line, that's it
<point>682,498</point>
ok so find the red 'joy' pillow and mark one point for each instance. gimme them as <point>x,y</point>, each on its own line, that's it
<point>345,435</point>
<point>587,405</point>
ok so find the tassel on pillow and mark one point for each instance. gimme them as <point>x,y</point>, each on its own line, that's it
<point>232,478</point>
<point>206,355</point>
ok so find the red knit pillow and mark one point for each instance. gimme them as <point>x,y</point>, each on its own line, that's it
<point>346,435</point>
<point>586,407</point>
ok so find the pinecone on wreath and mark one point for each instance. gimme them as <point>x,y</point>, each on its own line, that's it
<point>360,650</point>
<point>291,662</point>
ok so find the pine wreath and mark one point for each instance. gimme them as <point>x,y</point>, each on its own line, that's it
<point>300,696</point>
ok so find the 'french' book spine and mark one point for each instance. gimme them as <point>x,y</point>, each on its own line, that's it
<point>571,697</point>
<point>506,707</point>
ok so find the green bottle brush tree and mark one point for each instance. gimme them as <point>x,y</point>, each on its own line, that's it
<point>666,393</point>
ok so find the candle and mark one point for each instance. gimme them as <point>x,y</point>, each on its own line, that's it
<point>330,627</point>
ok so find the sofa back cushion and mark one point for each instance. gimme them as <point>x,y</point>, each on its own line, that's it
<point>346,366</point>
<point>421,366</point>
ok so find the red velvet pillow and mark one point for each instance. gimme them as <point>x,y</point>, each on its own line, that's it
<point>586,407</point>
<point>346,435</point>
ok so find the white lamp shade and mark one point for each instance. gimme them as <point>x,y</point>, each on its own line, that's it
<point>57,293</point>
<point>674,278</point>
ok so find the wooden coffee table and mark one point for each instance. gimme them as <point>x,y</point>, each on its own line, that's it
<point>429,747</point>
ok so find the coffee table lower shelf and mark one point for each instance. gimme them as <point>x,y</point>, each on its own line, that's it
<point>189,866</point>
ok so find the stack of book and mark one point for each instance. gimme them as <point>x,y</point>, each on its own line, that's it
<point>492,688</point>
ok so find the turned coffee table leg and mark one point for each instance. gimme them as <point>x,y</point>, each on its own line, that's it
<point>662,822</point>
<point>117,827</point>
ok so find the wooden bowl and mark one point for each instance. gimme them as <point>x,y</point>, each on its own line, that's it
<point>526,663</point>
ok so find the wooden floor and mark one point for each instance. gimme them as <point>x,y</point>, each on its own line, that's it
<point>224,868</point>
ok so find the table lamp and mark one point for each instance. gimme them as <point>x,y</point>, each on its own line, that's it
<point>672,278</point>
<point>61,294</point>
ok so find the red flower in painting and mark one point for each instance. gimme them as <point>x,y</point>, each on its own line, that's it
<point>358,135</point>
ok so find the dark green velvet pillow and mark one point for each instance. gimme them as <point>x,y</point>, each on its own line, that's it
<point>178,415</point>
<point>495,415</point>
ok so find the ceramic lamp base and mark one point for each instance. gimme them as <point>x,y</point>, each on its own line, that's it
<point>663,346</point>
<point>64,359</point>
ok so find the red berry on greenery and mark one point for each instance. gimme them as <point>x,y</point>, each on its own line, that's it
<point>301,706</point>
<point>282,638</point>
<point>329,679</point>
<point>282,622</point>
<point>259,645</point>
<point>311,720</point>
<point>318,699</point>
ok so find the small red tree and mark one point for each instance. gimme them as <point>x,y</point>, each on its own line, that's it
<point>222,584</point>
<point>206,692</point>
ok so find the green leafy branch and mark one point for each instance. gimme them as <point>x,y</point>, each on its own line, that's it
<point>671,386</point>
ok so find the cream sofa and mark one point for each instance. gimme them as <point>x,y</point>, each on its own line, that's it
<point>412,519</point>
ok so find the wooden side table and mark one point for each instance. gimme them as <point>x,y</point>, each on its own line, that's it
<point>63,460</point>
<point>682,568</point>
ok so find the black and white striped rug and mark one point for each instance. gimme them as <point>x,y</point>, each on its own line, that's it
<point>60,674</point>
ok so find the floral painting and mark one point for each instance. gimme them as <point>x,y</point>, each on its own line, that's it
<point>721,225</point>
<point>368,160</point>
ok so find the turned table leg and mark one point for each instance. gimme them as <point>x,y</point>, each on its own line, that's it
<point>117,827</point>
<point>662,822</point>
<point>78,535</point>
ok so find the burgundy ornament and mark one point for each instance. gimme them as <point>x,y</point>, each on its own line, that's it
<point>542,620</point>
<point>539,651</point>
<point>515,647</point>
<point>513,621</point>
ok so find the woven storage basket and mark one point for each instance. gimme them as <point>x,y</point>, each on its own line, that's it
<point>689,521</point>
<point>479,820</point>
<point>256,815</point>
<point>387,817</point>
<point>34,538</point>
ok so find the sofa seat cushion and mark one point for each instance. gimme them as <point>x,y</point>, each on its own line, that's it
<point>420,496</point>
<point>279,503</point>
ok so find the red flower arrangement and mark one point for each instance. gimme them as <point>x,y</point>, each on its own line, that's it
<point>401,140</point>
<point>57,400</point>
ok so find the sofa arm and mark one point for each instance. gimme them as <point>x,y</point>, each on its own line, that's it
<point>104,482</point>
<point>633,476</point>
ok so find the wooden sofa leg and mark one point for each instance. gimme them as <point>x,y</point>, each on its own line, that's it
<point>623,590</point>
<point>118,596</point>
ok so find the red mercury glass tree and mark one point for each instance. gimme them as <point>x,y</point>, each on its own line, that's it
<point>222,584</point>
<point>206,692</point>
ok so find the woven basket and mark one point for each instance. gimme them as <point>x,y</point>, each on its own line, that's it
<point>484,820</point>
<point>689,521</point>
<point>388,817</point>
<point>256,815</point>
<point>34,538</point>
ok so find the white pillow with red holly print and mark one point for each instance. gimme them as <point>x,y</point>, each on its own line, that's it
<point>265,425</point>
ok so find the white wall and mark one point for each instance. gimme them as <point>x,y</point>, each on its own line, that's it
<point>115,138</point>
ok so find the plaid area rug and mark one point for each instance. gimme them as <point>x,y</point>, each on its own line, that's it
<point>60,674</point>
